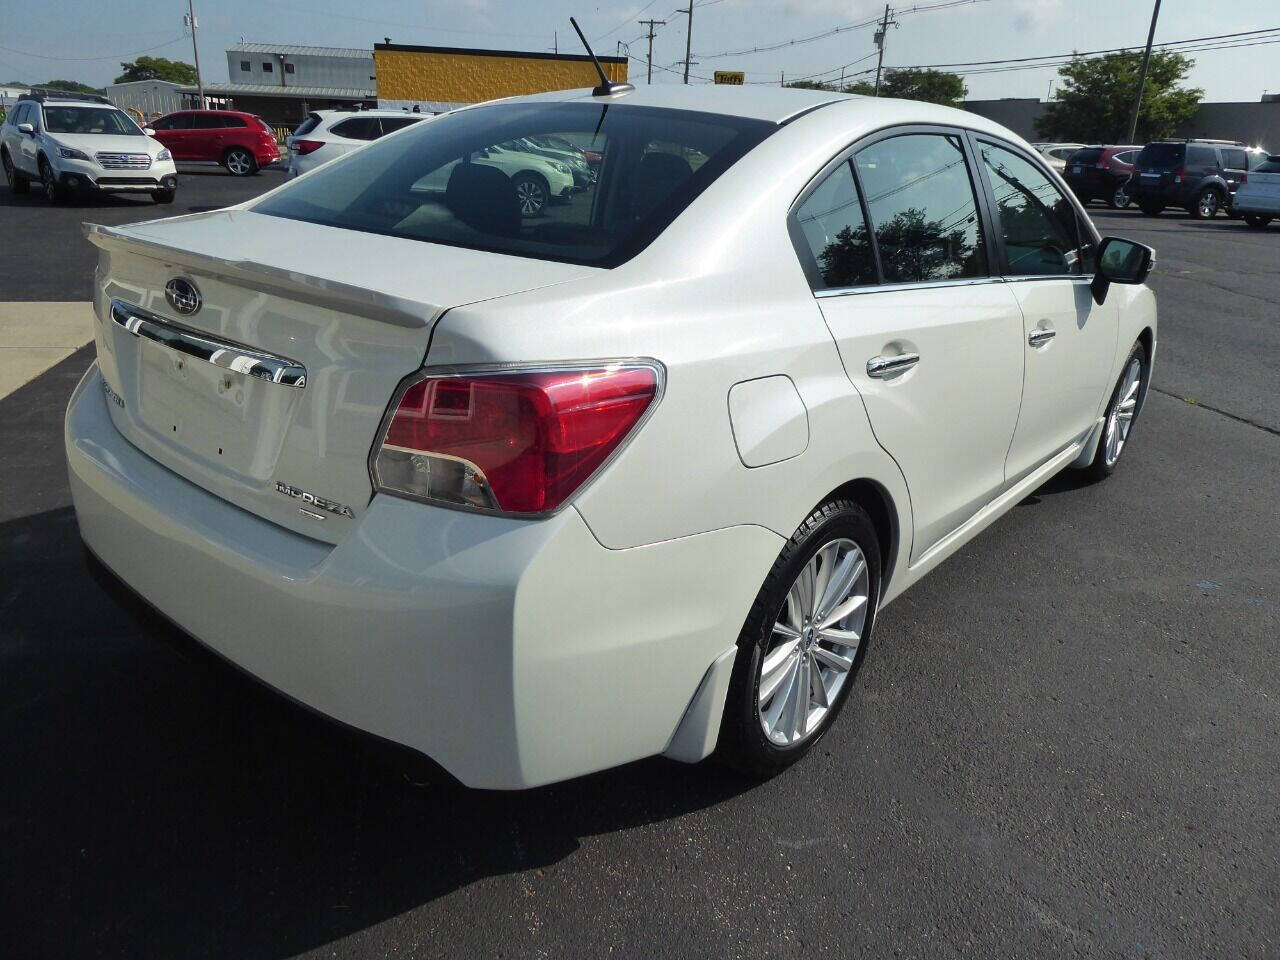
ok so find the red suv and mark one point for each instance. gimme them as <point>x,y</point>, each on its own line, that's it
<point>1101,173</point>
<point>241,142</point>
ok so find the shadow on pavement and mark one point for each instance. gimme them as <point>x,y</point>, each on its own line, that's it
<point>159,803</point>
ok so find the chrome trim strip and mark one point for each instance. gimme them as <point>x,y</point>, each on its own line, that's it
<point>881,367</point>
<point>1037,337</point>
<point>220,353</point>
<point>894,287</point>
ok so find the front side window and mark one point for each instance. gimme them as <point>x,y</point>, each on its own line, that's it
<point>1037,222</point>
<point>463,179</point>
<point>114,123</point>
<point>831,222</point>
<point>392,124</point>
<point>922,207</point>
<point>206,121</point>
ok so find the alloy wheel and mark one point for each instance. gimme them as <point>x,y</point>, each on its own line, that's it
<point>1207,204</point>
<point>1120,422</point>
<point>9,171</point>
<point>49,183</point>
<point>814,643</point>
<point>531,196</point>
<point>239,162</point>
<point>1120,199</point>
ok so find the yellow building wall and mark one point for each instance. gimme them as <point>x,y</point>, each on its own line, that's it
<point>468,78</point>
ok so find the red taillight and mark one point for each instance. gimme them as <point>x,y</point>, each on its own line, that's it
<point>303,147</point>
<point>519,442</point>
<point>1179,175</point>
<point>1244,178</point>
<point>1103,165</point>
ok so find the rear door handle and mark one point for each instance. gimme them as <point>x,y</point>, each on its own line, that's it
<point>1038,337</point>
<point>881,367</point>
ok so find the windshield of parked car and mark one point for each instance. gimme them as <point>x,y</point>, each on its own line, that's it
<point>479,178</point>
<point>1271,165</point>
<point>1162,156</point>
<point>115,123</point>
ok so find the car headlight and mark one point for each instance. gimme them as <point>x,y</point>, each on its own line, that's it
<point>164,155</point>
<point>69,153</point>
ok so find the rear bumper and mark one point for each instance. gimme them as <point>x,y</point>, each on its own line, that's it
<point>513,653</point>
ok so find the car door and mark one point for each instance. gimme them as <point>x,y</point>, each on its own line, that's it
<point>1046,259</point>
<point>896,248</point>
<point>23,147</point>
<point>203,140</point>
<point>174,132</point>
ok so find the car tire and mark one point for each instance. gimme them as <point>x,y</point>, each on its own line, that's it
<point>1206,204</point>
<point>837,533</point>
<point>17,182</point>
<point>533,193</point>
<point>53,191</point>
<point>239,162</point>
<point>163,196</point>
<point>1119,199</point>
<point>1256,220</point>
<point>1151,208</point>
<point>1122,413</point>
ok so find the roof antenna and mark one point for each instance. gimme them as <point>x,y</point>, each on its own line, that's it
<point>607,87</point>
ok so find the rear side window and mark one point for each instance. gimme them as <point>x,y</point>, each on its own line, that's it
<point>230,121</point>
<point>359,128</point>
<point>835,233</point>
<point>1126,156</point>
<point>392,124</point>
<point>1161,156</point>
<point>1235,159</point>
<point>1037,223</point>
<point>307,125</point>
<point>922,208</point>
<point>1198,156</point>
<point>451,181</point>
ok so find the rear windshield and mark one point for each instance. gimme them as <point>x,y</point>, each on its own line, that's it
<point>1089,155</point>
<point>1162,155</point>
<point>89,120</point>
<point>307,125</point>
<point>479,178</point>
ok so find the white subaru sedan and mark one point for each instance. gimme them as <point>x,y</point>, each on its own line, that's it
<point>538,496</point>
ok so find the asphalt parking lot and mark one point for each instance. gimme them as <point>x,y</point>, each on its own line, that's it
<point>1065,741</point>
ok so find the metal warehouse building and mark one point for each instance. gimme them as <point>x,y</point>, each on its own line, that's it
<point>440,78</point>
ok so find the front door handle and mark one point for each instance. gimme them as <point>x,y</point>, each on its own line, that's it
<point>881,367</point>
<point>1038,337</point>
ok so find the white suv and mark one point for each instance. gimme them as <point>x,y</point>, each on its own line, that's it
<point>327,134</point>
<point>81,143</point>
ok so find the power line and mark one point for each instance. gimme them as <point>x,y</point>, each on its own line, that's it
<point>114,56</point>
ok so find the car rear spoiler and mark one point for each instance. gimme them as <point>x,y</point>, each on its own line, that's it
<point>297,286</point>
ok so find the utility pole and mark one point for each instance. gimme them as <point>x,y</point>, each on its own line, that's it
<point>191,22</point>
<point>688,42</point>
<point>880,38</point>
<point>651,24</point>
<point>1142,74</point>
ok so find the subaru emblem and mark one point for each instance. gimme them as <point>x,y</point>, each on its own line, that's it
<point>183,296</point>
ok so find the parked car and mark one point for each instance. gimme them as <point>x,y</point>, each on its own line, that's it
<point>241,142</point>
<point>78,144</point>
<point>1101,173</point>
<point>1258,198</point>
<point>538,180</point>
<point>327,134</point>
<point>540,496</point>
<point>583,173</point>
<point>1198,175</point>
<point>1056,154</point>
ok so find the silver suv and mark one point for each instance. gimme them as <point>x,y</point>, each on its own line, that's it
<point>73,143</point>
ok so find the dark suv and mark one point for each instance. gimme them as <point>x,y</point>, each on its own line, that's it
<point>1199,175</point>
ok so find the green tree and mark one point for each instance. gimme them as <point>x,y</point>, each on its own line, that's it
<point>1095,99</point>
<point>930,86</point>
<point>157,68</point>
<point>73,85</point>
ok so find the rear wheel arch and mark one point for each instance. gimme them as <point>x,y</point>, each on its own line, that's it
<point>879,506</point>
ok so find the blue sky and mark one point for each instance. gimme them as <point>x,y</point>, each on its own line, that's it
<point>40,44</point>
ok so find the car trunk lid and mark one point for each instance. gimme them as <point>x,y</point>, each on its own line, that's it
<point>271,393</point>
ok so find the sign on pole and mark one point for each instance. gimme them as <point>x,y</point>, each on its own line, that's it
<point>734,77</point>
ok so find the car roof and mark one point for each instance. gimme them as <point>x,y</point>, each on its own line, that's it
<point>326,114</point>
<point>230,113</point>
<point>775,104</point>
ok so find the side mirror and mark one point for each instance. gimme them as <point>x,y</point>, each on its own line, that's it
<point>149,131</point>
<point>26,128</point>
<point>1120,261</point>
